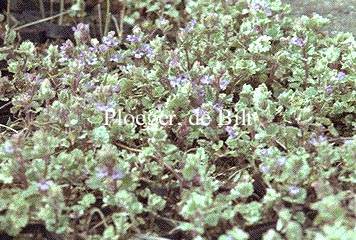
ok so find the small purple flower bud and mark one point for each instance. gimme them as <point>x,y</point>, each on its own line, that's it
<point>230,131</point>
<point>159,106</point>
<point>117,174</point>
<point>315,141</point>
<point>92,61</point>
<point>147,50</point>
<point>43,185</point>
<point>82,32</point>
<point>189,28</point>
<point>66,45</point>
<point>103,48</point>
<point>139,54</point>
<point>223,83</point>
<point>110,40</point>
<point>101,107</point>
<point>102,172</point>
<point>281,161</point>
<point>341,76</point>
<point>192,22</point>
<point>329,90</point>
<point>264,169</point>
<point>28,76</point>
<point>63,58</point>
<point>133,39</point>
<point>298,41</point>
<point>218,107</point>
<point>174,63</point>
<point>266,152</point>
<point>199,112</point>
<point>348,142</point>
<point>116,58</point>
<point>256,6</point>
<point>293,190</point>
<point>206,79</point>
<point>8,149</point>
<point>268,12</point>
<point>163,21</point>
<point>116,88</point>
<point>256,30</point>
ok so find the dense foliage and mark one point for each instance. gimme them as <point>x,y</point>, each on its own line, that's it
<point>67,162</point>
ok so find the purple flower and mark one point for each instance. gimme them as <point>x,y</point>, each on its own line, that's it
<point>256,30</point>
<point>262,5</point>
<point>133,39</point>
<point>103,48</point>
<point>315,141</point>
<point>138,54</point>
<point>43,184</point>
<point>341,76</point>
<point>101,107</point>
<point>281,161</point>
<point>146,49</point>
<point>82,32</point>
<point>348,142</point>
<point>66,45</point>
<point>264,169</point>
<point>256,6</point>
<point>298,41</point>
<point>116,88</point>
<point>110,40</point>
<point>117,174</point>
<point>176,81</point>
<point>192,22</point>
<point>206,79</point>
<point>329,90</point>
<point>268,12</point>
<point>230,131</point>
<point>293,190</point>
<point>223,83</point>
<point>163,21</point>
<point>159,106</point>
<point>92,60</point>
<point>174,63</point>
<point>90,86</point>
<point>102,172</point>
<point>218,107</point>
<point>63,58</point>
<point>94,49</point>
<point>199,112</point>
<point>266,152</point>
<point>8,149</point>
<point>28,76</point>
<point>189,28</point>
<point>116,58</point>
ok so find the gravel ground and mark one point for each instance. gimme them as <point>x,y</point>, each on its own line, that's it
<point>342,13</point>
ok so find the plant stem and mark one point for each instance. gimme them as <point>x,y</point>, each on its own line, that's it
<point>51,9</point>
<point>122,16</point>
<point>41,20</point>
<point>9,128</point>
<point>8,13</point>
<point>107,20</point>
<point>43,14</point>
<point>100,21</point>
<point>61,9</point>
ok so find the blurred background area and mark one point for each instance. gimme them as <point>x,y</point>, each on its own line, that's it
<point>342,13</point>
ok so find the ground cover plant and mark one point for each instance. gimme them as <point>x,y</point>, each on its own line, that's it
<point>70,162</point>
